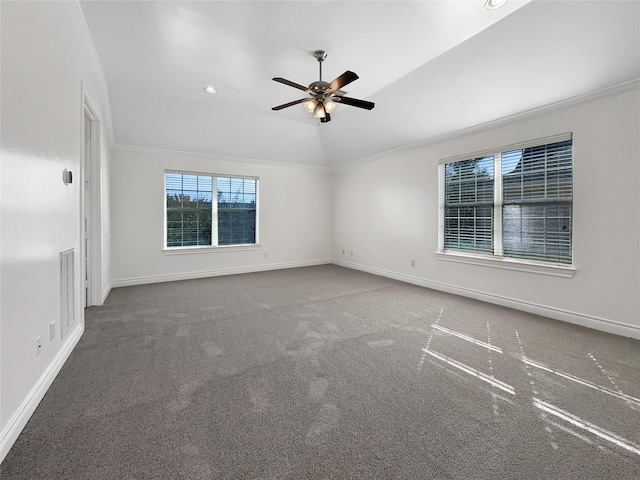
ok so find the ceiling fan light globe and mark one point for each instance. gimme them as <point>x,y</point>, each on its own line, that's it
<point>310,106</point>
<point>319,112</point>
<point>329,106</point>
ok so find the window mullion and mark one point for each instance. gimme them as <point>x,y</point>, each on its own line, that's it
<point>441,200</point>
<point>214,211</point>
<point>497,205</point>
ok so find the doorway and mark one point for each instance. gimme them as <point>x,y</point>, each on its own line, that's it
<point>91,256</point>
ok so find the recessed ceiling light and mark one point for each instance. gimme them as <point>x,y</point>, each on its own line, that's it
<point>210,89</point>
<point>493,4</point>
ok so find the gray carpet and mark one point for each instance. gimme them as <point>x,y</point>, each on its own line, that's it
<point>326,372</point>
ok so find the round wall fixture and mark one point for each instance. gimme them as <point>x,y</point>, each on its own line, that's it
<point>493,4</point>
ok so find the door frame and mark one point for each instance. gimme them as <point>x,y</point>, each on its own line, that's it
<point>91,175</point>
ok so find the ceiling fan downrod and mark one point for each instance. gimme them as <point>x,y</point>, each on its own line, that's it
<point>320,56</point>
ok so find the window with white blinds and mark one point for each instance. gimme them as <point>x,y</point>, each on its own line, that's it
<point>469,205</point>
<point>236,210</point>
<point>514,203</point>
<point>196,215</point>
<point>188,209</point>
<point>537,194</point>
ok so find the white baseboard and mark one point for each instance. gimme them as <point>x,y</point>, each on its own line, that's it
<point>172,277</point>
<point>106,292</point>
<point>18,421</point>
<point>609,326</point>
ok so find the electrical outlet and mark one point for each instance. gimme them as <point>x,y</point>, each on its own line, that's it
<point>266,254</point>
<point>352,253</point>
<point>343,251</point>
<point>52,331</point>
<point>413,264</point>
<point>38,346</point>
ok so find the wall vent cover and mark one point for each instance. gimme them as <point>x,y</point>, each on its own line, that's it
<point>67,281</point>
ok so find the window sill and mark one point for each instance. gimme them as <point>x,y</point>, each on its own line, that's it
<point>529,266</point>
<point>208,249</point>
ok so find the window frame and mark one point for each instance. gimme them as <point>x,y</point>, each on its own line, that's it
<point>190,249</point>
<point>497,258</point>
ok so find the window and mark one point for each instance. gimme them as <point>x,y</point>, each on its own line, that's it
<point>236,210</point>
<point>469,205</point>
<point>199,216</point>
<point>513,203</point>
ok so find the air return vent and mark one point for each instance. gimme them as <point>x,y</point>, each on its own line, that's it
<point>66,290</point>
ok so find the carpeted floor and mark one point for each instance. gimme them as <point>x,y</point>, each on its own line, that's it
<point>326,372</point>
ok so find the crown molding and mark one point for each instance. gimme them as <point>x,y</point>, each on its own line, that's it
<point>87,41</point>
<point>210,156</point>
<point>518,117</point>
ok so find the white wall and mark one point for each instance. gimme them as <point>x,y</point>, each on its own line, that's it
<point>386,211</point>
<point>294,218</point>
<point>44,78</point>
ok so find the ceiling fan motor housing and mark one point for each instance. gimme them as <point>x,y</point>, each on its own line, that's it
<point>318,87</point>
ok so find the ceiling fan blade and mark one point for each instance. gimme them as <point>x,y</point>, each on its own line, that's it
<point>296,102</point>
<point>354,102</point>
<point>326,118</point>
<point>345,79</point>
<point>290,83</point>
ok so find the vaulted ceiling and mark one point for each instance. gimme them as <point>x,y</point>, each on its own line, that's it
<point>433,69</point>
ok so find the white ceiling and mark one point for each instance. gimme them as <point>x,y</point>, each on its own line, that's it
<point>433,68</point>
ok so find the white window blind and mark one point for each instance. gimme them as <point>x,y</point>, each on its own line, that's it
<point>236,210</point>
<point>537,189</point>
<point>189,209</point>
<point>197,215</point>
<point>516,203</point>
<point>468,209</point>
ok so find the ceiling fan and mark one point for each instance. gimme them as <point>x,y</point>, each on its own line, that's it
<point>324,96</point>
